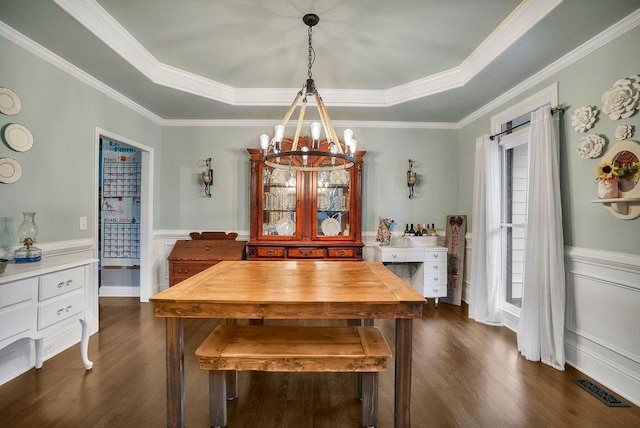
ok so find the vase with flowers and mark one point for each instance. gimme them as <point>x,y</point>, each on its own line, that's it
<point>610,177</point>
<point>384,231</point>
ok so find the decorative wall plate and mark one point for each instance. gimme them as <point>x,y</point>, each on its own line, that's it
<point>10,103</point>
<point>339,176</point>
<point>10,170</point>
<point>330,227</point>
<point>18,137</point>
<point>286,227</point>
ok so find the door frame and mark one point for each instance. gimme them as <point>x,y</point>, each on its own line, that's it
<point>146,206</point>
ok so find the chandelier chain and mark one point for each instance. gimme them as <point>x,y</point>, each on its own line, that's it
<point>311,55</point>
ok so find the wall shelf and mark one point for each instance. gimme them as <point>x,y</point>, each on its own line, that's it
<point>623,208</point>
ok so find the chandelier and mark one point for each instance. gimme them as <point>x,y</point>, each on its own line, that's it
<point>309,153</point>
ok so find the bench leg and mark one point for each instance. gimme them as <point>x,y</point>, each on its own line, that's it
<point>232,385</point>
<point>217,398</point>
<point>369,398</point>
<point>356,323</point>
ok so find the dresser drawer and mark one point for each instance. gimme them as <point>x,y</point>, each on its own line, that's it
<point>305,253</point>
<point>431,255</point>
<point>435,278</point>
<point>394,256</point>
<point>270,252</point>
<point>435,266</point>
<point>337,253</point>
<point>57,283</point>
<point>60,309</point>
<point>435,290</point>
<point>17,321</point>
<point>17,292</point>
<point>180,271</point>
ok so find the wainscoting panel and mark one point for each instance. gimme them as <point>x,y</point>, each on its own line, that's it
<point>602,337</point>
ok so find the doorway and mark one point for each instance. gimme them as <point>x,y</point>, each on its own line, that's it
<point>123,216</point>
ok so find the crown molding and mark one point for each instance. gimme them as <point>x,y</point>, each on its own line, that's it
<point>621,27</point>
<point>262,123</point>
<point>92,16</point>
<point>62,64</point>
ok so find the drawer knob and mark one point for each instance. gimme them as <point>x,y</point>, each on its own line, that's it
<point>435,278</point>
<point>68,283</point>
<point>270,253</point>
<point>435,290</point>
<point>435,266</point>
<point>393,255</point>
<point>60,284</point>
<point>341,253</point>
<point>305,253</point>
<point>68,308</point>
<point>60,311</point>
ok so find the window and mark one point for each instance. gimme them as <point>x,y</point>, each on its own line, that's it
<point>514,185</point>
<point>514,147</point>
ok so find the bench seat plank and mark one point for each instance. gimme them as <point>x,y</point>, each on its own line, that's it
<point>294,348</point>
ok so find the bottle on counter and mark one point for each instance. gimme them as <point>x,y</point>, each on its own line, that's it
<point>425,229</point>
<point>433,231</point>
<point>412,231</point>
<point>406,230</point>
<point>418,230</point>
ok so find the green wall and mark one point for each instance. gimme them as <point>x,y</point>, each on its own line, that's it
<point>384,176</point>
<point>58,173</point>
<point>586,224</point>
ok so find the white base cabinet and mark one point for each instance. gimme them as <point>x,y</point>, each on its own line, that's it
<point>429,276</point>
<point>41,299</point>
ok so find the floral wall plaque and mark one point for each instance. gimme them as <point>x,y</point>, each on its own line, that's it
<point>583,118</point>
<point>621,100</point>
<point>624,132</point>
<point>591,146</point>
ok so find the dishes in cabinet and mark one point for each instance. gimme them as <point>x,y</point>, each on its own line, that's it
<point>286,227</point>
<point>279,176</point>
<point>339,176</point>
<point>330,227</point>
<point>10,103</point>
<point>18,137</point>
<point>323,201</point>
<point>10,170</point>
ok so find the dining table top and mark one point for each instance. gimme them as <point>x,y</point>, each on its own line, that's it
<point>291,289</point>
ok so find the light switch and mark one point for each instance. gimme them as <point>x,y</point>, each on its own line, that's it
<point>83,223</point>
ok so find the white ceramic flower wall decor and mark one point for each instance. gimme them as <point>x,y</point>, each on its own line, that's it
<point>591,146</point>
<point>624,132</point>
<point>583,118</point>
<point>621,100</point>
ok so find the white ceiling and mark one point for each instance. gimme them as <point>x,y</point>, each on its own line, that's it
<point>376,60</point>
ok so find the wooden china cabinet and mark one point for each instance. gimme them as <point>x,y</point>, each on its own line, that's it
<point>305,214</point>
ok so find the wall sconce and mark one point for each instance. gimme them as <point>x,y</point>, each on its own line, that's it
<point>207,178</point>
<point>412,177</point>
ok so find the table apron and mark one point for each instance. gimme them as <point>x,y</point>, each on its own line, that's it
<point>288,311</point>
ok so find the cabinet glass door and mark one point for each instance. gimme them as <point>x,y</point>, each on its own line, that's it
<point>333,196</point>
<point>279,202</point>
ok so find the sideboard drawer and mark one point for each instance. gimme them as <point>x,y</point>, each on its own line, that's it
<point>60,310</point>
<point>435,266</point>
<point>394,256</point>
<point>431,255</point>
<point>305,253</point>
<point>270,252</point>
<point>338,253</point>
<point>179,271</point>
<point>435,278</point>
<point>57,283</point>
<point>435,290</point>
<point>17,321</point>
<point>17,292</point>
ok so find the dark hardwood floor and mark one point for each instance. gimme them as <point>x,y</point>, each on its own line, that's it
<point>465,374</point>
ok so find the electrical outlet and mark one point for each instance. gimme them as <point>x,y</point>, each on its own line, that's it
<point>83,223</point>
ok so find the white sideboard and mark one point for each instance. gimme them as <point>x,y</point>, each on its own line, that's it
<point>430,274</point>
<point>41,299</point>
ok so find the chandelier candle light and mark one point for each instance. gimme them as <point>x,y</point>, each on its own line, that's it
<point>304,153</point>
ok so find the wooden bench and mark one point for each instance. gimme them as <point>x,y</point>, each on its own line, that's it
<point>293,349</point>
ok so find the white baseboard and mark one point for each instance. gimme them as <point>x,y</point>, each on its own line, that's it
<point>116,291</point>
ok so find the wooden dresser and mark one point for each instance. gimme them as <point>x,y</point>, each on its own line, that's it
<point>192,256</point>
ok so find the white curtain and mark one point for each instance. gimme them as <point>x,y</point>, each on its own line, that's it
<point>484,297</point>
<point>541,328</point>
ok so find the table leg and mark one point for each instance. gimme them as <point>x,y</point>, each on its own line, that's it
<point>404,327</point>
<point>175,373</point>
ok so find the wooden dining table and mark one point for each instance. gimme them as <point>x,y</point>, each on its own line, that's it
<point>289,290</point>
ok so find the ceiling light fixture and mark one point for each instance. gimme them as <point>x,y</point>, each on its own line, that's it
<point>309,153</point>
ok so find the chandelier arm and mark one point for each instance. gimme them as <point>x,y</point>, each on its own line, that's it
<point>303,108</point>
<point>287,116</point>
<point>332,136</point>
